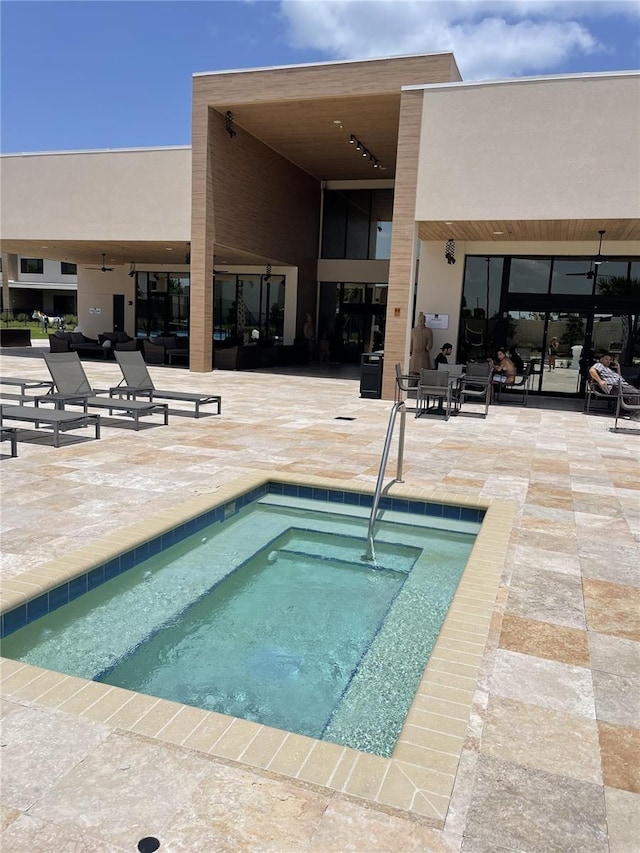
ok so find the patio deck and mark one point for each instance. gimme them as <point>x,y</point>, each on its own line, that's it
<point>550,756</point>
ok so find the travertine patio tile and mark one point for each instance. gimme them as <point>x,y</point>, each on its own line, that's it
<point>617,698</point>
<point>613,654</point>
<point>233,810</point>
<point>623,819</point>
<point>121,767</point>
<point>31,833</point>
<point>612,609</point>
<point>547,596</point>
<point>39,748</point>
<point>620,748</point>
<point>546,640</point>
<point>523,809</point>
<point>553,685</point>
<point>542,739</point>
<point>7,816</point>
<point>346,827</point>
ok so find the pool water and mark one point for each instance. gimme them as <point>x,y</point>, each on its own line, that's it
<point>272,616</point>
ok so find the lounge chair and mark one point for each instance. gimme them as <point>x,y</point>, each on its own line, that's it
<point>60,421</point>
<point>72,386</point>
<point>139,384</point>
<point>10,434</point>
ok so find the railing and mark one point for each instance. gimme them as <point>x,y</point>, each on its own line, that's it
<point>401,406</point>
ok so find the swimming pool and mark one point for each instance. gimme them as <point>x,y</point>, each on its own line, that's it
<point>270,613</point>
<point>419,775</point>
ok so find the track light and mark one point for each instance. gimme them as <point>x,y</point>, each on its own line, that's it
<point>450,251</point>
<point>353,140</point>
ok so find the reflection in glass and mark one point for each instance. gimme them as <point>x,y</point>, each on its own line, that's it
<point>572,277</point>
<point>356,224</point>
<point>480,306</point>
<point>613,279</point>
<point>529,275</point>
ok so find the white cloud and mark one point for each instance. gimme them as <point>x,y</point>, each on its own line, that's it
<point>492,39</point>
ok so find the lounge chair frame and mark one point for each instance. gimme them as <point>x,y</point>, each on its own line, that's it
<point>59,420</point>
<point>10,434</point>
<point>138,383</point>
<point>73,387</point>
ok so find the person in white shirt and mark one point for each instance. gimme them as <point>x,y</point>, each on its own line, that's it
<point>608,378</point>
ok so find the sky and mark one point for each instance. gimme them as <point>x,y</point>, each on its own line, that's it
<point>92,74</point>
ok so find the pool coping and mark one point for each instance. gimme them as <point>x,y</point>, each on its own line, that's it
<point>418,778</point>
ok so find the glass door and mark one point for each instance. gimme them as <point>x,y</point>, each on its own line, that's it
<point>554,341</point>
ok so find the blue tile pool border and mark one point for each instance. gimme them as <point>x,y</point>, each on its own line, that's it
<point>60,595</point>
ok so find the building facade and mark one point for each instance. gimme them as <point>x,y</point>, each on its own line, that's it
<point>325,205</point>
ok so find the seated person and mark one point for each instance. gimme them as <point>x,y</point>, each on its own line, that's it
<point>606,374</point>
<point>504,370</point>
<point>514,355</point>
<point>443,355</point>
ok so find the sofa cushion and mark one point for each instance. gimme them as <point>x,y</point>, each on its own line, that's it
<point>77,337</point>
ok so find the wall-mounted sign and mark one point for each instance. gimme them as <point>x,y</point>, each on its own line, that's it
<point>437,321</point>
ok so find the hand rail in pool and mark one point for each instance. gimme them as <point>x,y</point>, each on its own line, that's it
<point>401,406</point>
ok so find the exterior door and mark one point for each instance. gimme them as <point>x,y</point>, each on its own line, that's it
<point>118,312</point>
<point>531,332</point>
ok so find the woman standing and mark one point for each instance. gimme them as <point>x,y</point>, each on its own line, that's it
<point>553,352</point>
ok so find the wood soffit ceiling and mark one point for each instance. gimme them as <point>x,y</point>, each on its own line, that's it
<point>89,253</point>
<point>314,134</point>
<point>531,230</point>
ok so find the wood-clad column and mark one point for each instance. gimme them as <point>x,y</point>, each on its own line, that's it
<point>403,241</point>
<point>9,273</point>
<point>202,242</point>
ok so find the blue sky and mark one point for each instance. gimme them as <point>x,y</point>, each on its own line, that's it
<point>91,74</point>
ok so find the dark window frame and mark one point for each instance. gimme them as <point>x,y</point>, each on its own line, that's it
<point>25,263</point>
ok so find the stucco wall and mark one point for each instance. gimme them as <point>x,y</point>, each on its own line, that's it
<point>97,195</point>
<point>547,149</point>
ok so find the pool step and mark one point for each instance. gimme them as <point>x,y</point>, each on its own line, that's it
<point>348,549</point>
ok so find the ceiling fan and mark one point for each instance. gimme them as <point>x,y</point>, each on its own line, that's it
<point>594,262</point>
<point>103,268</point>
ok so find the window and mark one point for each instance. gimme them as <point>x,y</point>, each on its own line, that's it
<point>68,269</point>
<point>356,224</point>
<point>32,266</point>
<point>529,275</point>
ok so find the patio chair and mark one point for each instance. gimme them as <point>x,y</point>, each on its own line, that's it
<point>476,385</point>
<point>595,393</point>
<point>405,384</point>
<point>72,386</point>
<point>521,385</point>
<point>624,404</point>
<point>138,383</point>
<point>434,384</point>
